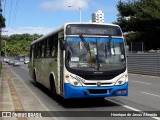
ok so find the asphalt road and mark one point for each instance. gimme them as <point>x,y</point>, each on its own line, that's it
<point>144,95</point>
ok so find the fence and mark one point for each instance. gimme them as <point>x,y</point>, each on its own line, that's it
<point>144,63</point>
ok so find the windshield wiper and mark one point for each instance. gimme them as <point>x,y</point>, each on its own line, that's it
<point>109,46</point>
<point>85,43</point>
<point>97,56</point>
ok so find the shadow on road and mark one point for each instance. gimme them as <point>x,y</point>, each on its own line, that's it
<point>77,103</point>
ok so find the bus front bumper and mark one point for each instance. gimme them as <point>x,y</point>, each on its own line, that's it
<point>94,91</point>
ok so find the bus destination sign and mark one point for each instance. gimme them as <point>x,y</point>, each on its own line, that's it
<point>84,29</point>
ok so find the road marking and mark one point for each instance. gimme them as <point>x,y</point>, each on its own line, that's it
<point>24,68</point>
<point>150,94</point>
<point>140,82</point>
<point>130,108</point>
<point>144,75</point>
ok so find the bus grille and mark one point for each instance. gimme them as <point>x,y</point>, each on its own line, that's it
<point>98,77</point>
<point>96,83</point>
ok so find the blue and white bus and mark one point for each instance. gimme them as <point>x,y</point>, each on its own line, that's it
<point>81,60</point>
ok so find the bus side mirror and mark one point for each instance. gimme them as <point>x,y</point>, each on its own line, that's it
<point>62,45</point>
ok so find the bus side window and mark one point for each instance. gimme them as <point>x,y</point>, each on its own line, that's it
<point>40,49</point>
<point>53,47</point>
<point>48,48</point>
<point>31,48</point>
<point>54,52</point>
<point>45,47</point>
<point>47,52</point>
<point>43,50</point>
<point>36,51</point>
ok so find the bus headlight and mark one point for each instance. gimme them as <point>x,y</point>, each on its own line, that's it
<point>122,80</point>
<point>73,81</point>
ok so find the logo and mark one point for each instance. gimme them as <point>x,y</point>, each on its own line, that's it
<point>98,83</point>
<point>6,114</point>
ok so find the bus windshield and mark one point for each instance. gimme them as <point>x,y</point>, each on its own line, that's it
<point>95,53</point>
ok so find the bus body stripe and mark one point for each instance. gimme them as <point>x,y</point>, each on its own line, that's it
<point>77,39</point>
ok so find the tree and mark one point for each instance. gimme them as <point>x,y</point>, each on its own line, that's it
<point>2,22</point>
<point>2,25</point>
<point>141,19</point>
<point>19,44</point>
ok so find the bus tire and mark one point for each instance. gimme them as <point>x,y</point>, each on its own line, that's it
<point>54,95</point>
<point>34,78</point>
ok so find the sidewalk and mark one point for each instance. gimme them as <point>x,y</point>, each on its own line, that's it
<point>6,100</point>
<point>15,96</point>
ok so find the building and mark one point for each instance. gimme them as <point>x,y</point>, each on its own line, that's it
<point>98,17</point>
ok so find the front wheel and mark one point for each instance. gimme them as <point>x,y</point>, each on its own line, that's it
<point>54,95</point>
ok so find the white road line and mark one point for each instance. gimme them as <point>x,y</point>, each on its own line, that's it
<point>24,68</point>
<point>151,94</point>
<point>144,75</point>
<point>130,108</point>
<point>141,82</point>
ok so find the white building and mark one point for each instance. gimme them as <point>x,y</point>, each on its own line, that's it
<point>98,17</point>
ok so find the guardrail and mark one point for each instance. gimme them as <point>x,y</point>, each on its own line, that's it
<point>144,63</point>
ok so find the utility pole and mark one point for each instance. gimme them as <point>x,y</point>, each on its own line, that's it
<point>0,27</point>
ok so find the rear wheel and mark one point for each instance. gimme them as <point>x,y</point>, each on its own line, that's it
<point>34,78</point>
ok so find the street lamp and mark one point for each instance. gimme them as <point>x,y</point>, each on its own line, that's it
<point>79,8</point>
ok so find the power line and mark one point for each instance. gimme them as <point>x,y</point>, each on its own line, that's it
<point>10,12</point>
<point>4,9</point>
<point>15,13</point>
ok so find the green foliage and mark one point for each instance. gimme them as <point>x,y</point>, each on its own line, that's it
<point>18,44</point>
<point>125,9</point>
<point>141,18</point>
<point>2,21</point>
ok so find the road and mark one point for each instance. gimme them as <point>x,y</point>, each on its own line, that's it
<point>144,95</point>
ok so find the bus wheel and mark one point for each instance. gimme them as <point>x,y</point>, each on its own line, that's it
<point>34,79</point>
<point>53,89</point>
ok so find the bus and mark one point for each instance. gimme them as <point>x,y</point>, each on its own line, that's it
<point>81,60</point>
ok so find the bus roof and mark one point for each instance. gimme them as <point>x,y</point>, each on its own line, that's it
<point>63,26</point>
<point>47,35</point>
<point>94,23</point>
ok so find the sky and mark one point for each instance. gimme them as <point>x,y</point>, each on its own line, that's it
<point>43,16</point>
